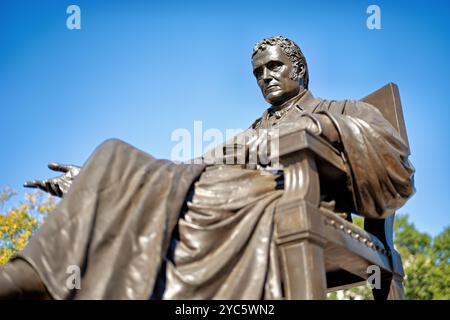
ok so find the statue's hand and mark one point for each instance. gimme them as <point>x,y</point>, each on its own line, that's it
<point>57,186</point>
<point>304,123</point>
<point>318,124</point>
<point>260,143</point>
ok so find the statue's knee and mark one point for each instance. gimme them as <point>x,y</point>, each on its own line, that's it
<point>114,149</point>
<point>107,150</point>
<point>111,146</point>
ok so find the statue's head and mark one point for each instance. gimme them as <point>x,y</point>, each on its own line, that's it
<point>280,69</point>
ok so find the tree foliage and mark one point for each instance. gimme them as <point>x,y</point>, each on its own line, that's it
<point>18,223</point>
<point>426,261</point>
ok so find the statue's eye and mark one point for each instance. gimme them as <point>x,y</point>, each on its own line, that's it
<point>257,73</point>
<point>274,65</point>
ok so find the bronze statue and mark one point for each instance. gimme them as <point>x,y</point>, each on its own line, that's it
<point>142,228</point>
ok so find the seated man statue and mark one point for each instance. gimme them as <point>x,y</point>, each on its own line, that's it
<point>142,228</point>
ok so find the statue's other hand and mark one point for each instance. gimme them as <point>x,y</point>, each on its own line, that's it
<point>57,186</point>
<point>304,123</point>
<point>259,145</point>
<point>322,125</point>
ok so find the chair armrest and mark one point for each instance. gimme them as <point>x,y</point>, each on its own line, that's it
<point>307,161</point>
<point>291,146</point>
<point>299,228</point>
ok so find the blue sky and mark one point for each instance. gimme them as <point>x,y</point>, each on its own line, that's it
<point>138,70</point>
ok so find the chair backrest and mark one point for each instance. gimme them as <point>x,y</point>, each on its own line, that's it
<point>387,100</point>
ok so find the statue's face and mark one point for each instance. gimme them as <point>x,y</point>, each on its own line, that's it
<point>272,69</point>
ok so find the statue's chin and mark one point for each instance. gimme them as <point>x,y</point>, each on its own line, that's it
<point>274,99</point>
<point>277,98</point>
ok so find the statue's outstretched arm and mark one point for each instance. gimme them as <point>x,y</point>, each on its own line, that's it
<point>57,186</point>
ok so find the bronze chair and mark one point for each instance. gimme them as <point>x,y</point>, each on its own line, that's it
<point>319,250</point>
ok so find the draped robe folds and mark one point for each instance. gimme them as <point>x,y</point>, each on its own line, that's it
<point>142,228</point>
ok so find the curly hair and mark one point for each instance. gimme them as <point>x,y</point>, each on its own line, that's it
<point>292,51</point>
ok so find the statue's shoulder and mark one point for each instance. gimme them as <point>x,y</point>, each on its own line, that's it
<point>335,106</point>
<point>344,106</point>
<point>256,124</point>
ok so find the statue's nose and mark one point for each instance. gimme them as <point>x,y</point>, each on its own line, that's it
<point>266,75</point>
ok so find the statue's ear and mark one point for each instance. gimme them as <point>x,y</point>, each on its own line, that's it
<point>301,70</point>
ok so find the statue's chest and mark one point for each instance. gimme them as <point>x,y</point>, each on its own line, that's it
<point>274,119</point>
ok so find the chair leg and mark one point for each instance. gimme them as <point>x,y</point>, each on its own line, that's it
<point>303,271</point>
<point>299,232</point>
<point>391,289</point>
<point>396,290</point>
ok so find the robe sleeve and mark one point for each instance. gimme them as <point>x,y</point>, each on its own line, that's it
<point>379,170</point>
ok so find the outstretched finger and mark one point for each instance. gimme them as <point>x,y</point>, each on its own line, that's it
<point>32,184</point>
<point>52,188</point>
<point>58,167</point>
<point>40,184</point>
